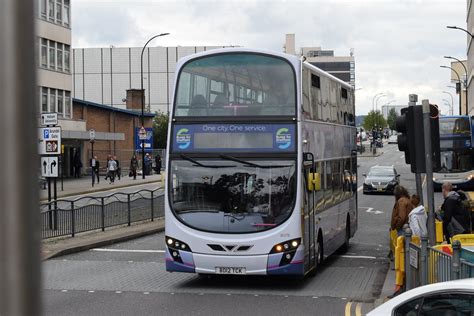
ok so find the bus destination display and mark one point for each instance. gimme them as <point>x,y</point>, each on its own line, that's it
<point>234,138</point>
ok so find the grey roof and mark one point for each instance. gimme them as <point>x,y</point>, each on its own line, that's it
<point>110,108</point>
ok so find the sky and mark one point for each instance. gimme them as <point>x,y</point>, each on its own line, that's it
<point>398,44</point>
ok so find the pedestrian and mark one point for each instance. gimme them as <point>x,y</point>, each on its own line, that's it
<point>147,165</point>
<point>455,216</point>
<point>118,171</point>
<point>95,165</point>
<point>107,167</point>
<point>133,167</point>
<point>401,209</point>
<point>77,165</point>
<point>111,169</point>
<point>157,164</point>
<point>417,218</point>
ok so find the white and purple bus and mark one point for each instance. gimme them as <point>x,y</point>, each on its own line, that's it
<point>261,168</point>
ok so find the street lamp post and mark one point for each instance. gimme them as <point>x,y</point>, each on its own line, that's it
<point>452,100</point>
<point>465,74</point>
<point>459,79</point>
<point>459,28</point>
<point>376,108</point>
<point>373,100</point>
<point>143,99</point>
<point>446,101</point>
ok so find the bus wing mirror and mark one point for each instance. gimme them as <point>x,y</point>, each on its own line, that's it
<point>314,181</point>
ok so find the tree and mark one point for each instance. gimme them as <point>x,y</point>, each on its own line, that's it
<point>374,119</point>
<point>392,117</point>
<point>160,130</point>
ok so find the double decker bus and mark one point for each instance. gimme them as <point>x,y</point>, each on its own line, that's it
<point>261,174</point>
<point>456,136</point>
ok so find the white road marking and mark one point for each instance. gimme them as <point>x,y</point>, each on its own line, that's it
<point>360,188</point>
<point>357,257</point>
<point>127,250</point>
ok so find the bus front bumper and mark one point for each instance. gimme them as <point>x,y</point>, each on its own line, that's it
<point>271,264</point>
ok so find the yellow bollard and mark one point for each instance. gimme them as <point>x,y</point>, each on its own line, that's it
<point>439,231</point>
<point>399,263</point>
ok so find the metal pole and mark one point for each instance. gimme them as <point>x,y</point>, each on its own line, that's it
<point>424,260</point>
<point>456,260</point>
<point>408,280</point>
<point>464,81</point>
<point>92,160</point>
<point>419,187</point>
<point>429,172</point>
<point>20,273</point>
<point>452,101</point>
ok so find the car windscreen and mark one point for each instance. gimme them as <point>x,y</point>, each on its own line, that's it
<point>232,195</point>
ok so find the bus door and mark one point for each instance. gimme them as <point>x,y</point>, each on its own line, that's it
<point>308,214</point>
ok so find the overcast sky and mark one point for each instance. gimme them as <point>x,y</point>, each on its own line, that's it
<point>398,44</point>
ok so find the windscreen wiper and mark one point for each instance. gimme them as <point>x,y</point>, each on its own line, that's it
<point>203,165</point>
<point>252,164</point>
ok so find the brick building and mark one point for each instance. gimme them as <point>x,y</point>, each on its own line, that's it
<point>114,134</point>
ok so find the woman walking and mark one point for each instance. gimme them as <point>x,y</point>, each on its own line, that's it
<point>401,209</point>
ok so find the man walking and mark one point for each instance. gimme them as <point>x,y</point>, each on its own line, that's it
<point>95,165</point>
<point>456,219</point>
<point>118,171</point>
<point>111,169</point>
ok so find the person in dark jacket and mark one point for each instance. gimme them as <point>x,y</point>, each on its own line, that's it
<point>95,165</point>
<point>133,167</point>
<point>456,219</point>
<point>401,209</point>
<point>157,164</point>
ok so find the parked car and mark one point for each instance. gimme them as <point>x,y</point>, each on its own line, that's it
<point>381,179</point>
<point>392,139</point>
<point>444,298</point>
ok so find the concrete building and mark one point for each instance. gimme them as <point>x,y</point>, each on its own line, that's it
<point>103,75</point>
<point>470,56</point>
<point>342,67</point>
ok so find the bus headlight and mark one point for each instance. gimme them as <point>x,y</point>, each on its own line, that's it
<point>176,245</point>
<point>286,246</point>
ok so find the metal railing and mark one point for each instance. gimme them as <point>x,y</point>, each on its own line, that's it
<point>425,265</point>
<point>68,217</point>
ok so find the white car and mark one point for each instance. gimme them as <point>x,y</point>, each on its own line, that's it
<point>392,139</point>
<point>444,298</point>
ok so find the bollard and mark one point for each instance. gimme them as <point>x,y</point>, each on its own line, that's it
<point>73,220</point>
<point>129,220</point>
<point>456,260</point>
<point>407,234</point>
<point>102,213</point>
<point>152,207</point>
<point>424,261</point>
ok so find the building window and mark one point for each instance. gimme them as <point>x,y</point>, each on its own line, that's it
<point>44,53</point>
<point>59,53</point>
<point>315,81</point>
<point>67,104</point>
<point>66,13</point>
<point>43,8</point>
<point>60,103</point>
<point>52,100</point>
<point>344,93</point>
<point>52,54</point>
<point>59,11</point>
<point>44,99</point>
<point>51,10</point>
<point>66,58</point>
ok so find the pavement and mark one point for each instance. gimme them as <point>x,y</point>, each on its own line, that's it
<point>83,185</point>
<point>54,247</point>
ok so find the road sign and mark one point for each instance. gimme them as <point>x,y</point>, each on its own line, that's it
<point>148,141</point>
<point>50,140</point>
<point>92,134</point>
<point>142,133</point>
<point>49,119</point>
<point>49,167</point>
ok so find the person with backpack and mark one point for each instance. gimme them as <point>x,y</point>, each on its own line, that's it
<point>456,218</point>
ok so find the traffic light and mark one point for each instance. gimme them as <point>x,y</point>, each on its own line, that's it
<point>404,126</point>
<point>411,138</point>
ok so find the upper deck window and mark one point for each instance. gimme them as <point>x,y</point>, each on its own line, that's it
<point>238,84</point>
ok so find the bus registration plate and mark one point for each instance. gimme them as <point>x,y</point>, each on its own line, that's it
<point>230,270</point>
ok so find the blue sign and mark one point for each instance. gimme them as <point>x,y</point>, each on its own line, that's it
<point>237,137</point>
<point>148,141</point>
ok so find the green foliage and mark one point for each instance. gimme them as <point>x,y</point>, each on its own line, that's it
<point>374,119</point>
<point>392,117</point>
<point>160,130</point>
